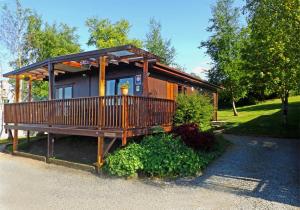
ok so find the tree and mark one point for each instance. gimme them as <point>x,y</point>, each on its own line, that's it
<point>44,41</point>
<point>12,29</point>
<point>157,45</point>
<point>274,46</point>
<point>224,47</point>
<point>105,34</point>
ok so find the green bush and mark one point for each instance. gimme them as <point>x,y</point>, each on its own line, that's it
<point>166,156</point>
<point>125,161</point>
<point>160,155</point>
<point>195,108</point>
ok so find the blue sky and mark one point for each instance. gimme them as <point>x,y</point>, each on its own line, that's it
<point>184,22</point>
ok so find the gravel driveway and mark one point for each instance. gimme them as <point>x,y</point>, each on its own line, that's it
<point>255,173</point>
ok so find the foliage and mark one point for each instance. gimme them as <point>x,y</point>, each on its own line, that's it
<point>192,137</point>
<point>272,52</point>
<point>12,30</point>
<point>224,47</point>
<point>194,108</point>
<point>264,119</point>
<point>161,155</point>
<point>13,25</point>
<point>125,162</point>
<point>45,41</point>
<point>105,34</point>
<point>157,45</point>
<point>166,156</point>
<point>125,85</point>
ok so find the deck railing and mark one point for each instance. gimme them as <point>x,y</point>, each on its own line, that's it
<point>93,112</point>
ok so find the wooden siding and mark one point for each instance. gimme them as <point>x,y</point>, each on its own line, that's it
<point>157,88</point>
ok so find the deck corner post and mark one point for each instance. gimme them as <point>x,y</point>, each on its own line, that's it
<point>50,147</point>
<point>101,117</point>
<point>102,66</point>
<point>17,99</point>
<point>51,80</point>
<point>15,141</point>
<point>124,119</point>
<point>100,154</point>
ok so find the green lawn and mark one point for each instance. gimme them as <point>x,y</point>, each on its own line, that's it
<point>264,119</point>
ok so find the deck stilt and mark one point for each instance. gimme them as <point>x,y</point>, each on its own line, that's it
<point>28,136</point>
<point>15,141</point>
<point>100,153</point>
<point>124,139</point>
<point>50,146</point>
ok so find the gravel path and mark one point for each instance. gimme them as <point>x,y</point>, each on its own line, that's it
<point>255,173</point>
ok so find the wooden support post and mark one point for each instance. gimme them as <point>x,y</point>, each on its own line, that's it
<point>29,100</point>
<point>100,153</point>
<point>51,81</point>
<point>145,78</point>
<point>30,89</point>
<point>51,96</point>
<point>124,119</point>
<point>17,98</point>
<point>101,86</point>
<point>50,146</point>
<point>102,65</point>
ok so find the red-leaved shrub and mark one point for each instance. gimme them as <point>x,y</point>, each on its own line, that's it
<point>192,137</point>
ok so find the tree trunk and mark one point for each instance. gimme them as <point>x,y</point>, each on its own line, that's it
<point>234,108</point>
<point>285,103</point>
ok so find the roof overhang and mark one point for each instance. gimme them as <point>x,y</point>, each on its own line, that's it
<point>126,54</point>
<point>72,62</point>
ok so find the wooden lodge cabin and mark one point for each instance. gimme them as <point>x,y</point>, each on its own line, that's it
<point>84,96</point>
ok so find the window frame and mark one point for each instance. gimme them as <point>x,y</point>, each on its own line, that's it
<point>63,87</point>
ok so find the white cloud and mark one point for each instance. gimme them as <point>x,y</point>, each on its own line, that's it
<point>200,71</point>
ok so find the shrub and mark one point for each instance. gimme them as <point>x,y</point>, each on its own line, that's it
<point>125,161</point>
<point>193,108</point>
<point>160,155</point>
<point>192,137</point>
<point>166,156</point>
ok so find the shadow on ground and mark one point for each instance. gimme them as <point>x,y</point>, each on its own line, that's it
<point>263,168</point>
<point>79,149</point>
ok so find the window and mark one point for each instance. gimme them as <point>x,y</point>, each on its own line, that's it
<point>113,86</point>
<point>68,92</point>
<point>64,92</point>
<point>110,87</point>
<point>123,81</point>
<point>182,89</point>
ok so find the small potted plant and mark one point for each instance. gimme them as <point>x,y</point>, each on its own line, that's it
<point>124,88</point>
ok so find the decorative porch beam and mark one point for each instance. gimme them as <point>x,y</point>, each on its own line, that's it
<point>17,99</point>
<point>29,100</point>
<point>102,66</point>
<point>101,86</point>
<point>51,96</point>
<point>145,77</point>
<point>29,89</point>
<point>51,81</point>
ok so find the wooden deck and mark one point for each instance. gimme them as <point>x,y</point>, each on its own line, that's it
<point>102,116</point>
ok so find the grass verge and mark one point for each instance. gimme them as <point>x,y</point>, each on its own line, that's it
<point>264,119</point>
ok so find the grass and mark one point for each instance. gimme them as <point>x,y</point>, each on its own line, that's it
<point>264,119</point>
